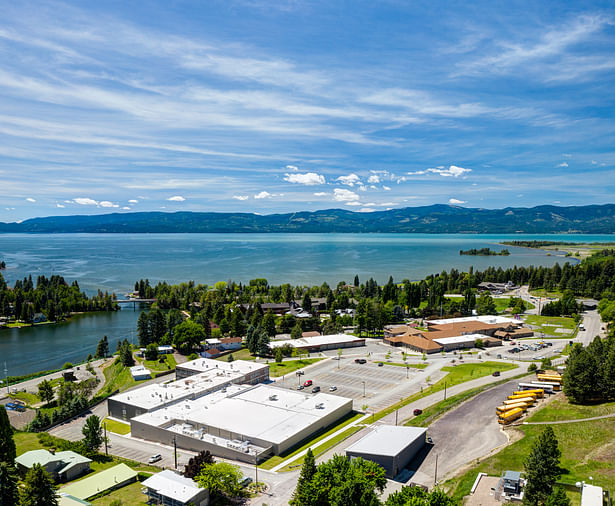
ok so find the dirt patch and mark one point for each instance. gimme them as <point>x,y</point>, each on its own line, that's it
<point>605,453</point>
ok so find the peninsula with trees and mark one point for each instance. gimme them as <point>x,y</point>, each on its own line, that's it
<point>484,252</point>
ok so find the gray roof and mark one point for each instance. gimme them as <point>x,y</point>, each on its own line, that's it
<point>66,459</point>
<point>387,440</point>
<point>512,475</point>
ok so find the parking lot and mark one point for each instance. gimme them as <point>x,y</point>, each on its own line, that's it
<point>366,383</point>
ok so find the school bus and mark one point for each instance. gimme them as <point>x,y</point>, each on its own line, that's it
<point>528,400</point>
<point>510,416</point>
<point>503,409</point>
<point>540,393</point>
<point>521,396</point>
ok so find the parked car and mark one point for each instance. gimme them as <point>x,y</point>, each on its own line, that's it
<point>417,412</point>
<point>360,361</point>
<point>429,440</point>
<point>315,389</point>
<point>496,373</point>
<point>154,458</point>
<point>300,387</point>
<point>380,364</point>
<point>307,383</point>
<point>332,388</point>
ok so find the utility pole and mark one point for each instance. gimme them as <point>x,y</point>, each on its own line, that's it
<point>256,467</point>
<point>105,427</point>
<point>435,478</point>
<point>175,450</point>
<point>396,412</point>
<point>445,390</point>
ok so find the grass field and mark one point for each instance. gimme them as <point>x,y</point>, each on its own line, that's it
<point>117,377</point>
<point>156,366</point>
<point>241,354</point>
<point>588,448</point>
<point>27,397</point>
<point>129,495</point>
<point>457,374</point>
<point>26,441</point>
<point>288,366</point>
<point>548,324</point>
<point>117,427</point>
<point>326,446</point>
<point>278,459</point>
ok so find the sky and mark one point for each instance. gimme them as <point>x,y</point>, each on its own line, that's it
<point>288,105</point>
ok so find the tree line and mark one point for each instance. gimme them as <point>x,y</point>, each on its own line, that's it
<point>53,297</point>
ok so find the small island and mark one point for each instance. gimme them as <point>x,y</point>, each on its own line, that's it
<point>2,265</point>
<point>484,252</point>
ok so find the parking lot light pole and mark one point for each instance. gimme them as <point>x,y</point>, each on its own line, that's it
<point>445,390</point>
<point>363,388</point>
<point>407,369</point>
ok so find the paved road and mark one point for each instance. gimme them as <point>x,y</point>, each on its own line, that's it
<point>593,327</point>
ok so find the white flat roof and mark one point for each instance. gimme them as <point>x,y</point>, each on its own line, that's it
<point>264,412</point>
<point>172,485</point>
<point>387,440</point>
<point>157,394</point>
<point>591,495</point>
<point>317,341</point>
<point>467,338</point>
<point>483,319</point>
<point>207,364</point>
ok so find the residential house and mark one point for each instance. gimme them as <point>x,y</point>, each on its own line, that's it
<point>169,488</point>
<point>62,466</point>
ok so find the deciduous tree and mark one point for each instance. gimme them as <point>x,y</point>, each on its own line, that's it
<point>45,391</point>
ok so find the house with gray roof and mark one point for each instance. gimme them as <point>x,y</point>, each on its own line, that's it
<point>62,466</point>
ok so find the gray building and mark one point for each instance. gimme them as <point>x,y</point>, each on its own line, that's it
<point>389,446</point>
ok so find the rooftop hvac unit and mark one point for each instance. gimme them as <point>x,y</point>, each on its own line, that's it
<point>273,397</point>
<point>320,406</point>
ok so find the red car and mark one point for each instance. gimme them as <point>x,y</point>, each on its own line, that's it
<point>417,412</point>
<point>308,383</point>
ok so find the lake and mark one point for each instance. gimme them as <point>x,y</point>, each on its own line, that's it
<point>113,262</point>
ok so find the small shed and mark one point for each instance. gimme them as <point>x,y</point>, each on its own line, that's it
<point>139,373</point>
<point>511,482</point>
<point>390,446</point>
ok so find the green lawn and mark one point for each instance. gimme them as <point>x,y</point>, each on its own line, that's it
<point>129,495</point>
<point>587,449</point>
<point>457,374</point>
<point>400,364</point>
<point>501,304</point>
<point>26,441</point>
<point>27,397</point>
<point>548,324</point>
<point>117,427</point>
<point>117,377</point>
<point>288,366</point>
<point>156,366</point>
<point>241,354</point>
<point>326,446</point>
<point>277,459</point>
<point>541,292</point>
<point>560,409</point>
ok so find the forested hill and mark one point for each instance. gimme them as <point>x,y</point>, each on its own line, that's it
<point>437,219</point>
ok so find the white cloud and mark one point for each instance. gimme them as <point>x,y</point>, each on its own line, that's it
<point>133,201</point>
<point>374,178</point>
<point>106,203</point>
<point>387,188</point>
<point>309,178</point>
<point>343,195</point>
<point>292,167</point>
<point>85,201</point>
<point>126,208</point>
<point>354,203</point>
<point>367,210</point>
<point>321,194</point>
<point>452,171</point>
<point>386,204</point>
<point>563,164</point>
<point>263,195</point>
<point>176,198</point>
<point>241,197</point>
<point>363,188</point>
<point>60,205</point>
<point>456,201</point>
<point>349,180</point>
<point>566,155</point>
<point>30,199</point>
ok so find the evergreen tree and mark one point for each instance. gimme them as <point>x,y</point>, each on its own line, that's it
<point>296,331</point>
<point>251,339</point>
<point>558,498</point>
<point>157,325</point>
<point>7,445</point>
<point>143,330</point>
<point>356,280</point>
<point>102,350</point>
<point>45,391</point>
<point>93,433</point>
<point>302,493</point>
<point>38,488</point>
<point>268,324</point>
<point>9,494</point>
<point>262,347</point>
<point>542,468</point>
<point>306,303</point>
<point>126,355</point>
<point>581,375</point>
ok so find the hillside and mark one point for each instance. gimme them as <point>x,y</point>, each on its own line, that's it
<point>593,219</point>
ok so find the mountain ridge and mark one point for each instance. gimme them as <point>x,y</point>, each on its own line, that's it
<point>437,218</point>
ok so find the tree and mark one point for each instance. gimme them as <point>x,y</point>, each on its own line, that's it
<point>196,463</point>
<point>302,493</point>
<point>188,335</point>
<point>220,477</point>
<point>416,496</point>
<point>268,324</point>
<point>151,352</point>
<point>45,391</point>
<point>7,445</point>
<point>38,488</point>
<point>279,355</point>
<point>542,468</point>
<point>93,433</point>
<point>102,350</point>
<point>262,347</point>
<point>558,498</point>
<point>143,330</point>
<point>581,375</point>
<point>485,305</point>
<point>126,354</point>
<point>230,358</point>
<point>296,332</point>
<point>340,481</point>
<point>306,303</point>
<point>9,494</point>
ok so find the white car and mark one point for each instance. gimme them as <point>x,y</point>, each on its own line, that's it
<point>154,458</point>
<point>332,389</point>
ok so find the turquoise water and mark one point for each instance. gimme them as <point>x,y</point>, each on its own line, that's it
<point>114,262</point>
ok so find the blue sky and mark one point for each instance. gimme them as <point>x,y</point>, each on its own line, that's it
<point>262,106</point>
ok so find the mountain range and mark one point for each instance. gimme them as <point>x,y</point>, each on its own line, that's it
<point>436,219</point>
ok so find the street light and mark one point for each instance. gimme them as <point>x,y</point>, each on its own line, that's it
<point>407,369</point>
<point>299,374</point>
<point>363,388</point>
